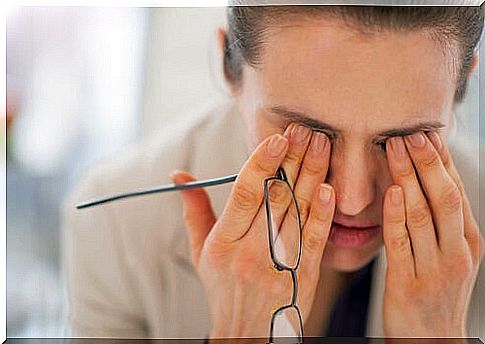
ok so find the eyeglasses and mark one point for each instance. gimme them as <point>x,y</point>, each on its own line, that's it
<point>284,233</point>
<point>285,236</point>
<point>157,189</point>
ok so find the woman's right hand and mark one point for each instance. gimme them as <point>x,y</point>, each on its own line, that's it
<point>231,254</point>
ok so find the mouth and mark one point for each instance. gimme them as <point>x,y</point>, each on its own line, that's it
<point>352,234</point>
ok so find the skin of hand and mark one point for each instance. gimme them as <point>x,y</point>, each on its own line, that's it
<point>231,253</point>
<point>433,243</point>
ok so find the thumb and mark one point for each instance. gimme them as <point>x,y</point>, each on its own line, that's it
<point>198,214</point>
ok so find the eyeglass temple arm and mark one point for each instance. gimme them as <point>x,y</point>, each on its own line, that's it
<point>157,189</point>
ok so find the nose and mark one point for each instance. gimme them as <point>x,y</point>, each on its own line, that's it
<point>352,175</point>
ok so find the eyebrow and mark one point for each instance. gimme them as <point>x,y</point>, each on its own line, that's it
<point>304,119</point>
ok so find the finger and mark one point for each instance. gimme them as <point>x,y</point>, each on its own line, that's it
<point>270,217</point>
<point>313,172</point>
<point>441,191</point>
<point>316,230</point>
<point>419,221</point>
<point>247,193</point>
<point>471,229</point>
<point>198,214</point>
<point>279,199</point>
<point>396,237</point>
<point>299,138</point>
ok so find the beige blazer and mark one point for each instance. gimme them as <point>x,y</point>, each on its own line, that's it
<point>127,264</point>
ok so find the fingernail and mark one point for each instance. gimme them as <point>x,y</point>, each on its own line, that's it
<point>289,130</point>
<point>299,132</point>
<point>396,195</point>
<point>417,139</point>
<point>397,144</point>
<point>325,193</point>
<point>319,141</point>
<point>436,140</point>
<point>277,145</point>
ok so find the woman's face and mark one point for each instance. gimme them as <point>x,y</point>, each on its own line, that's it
<point>358,88</point>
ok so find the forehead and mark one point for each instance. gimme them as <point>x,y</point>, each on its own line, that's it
<point>324,66</point>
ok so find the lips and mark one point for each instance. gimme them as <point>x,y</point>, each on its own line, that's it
<point>350,222</point>
<point>352,233</point>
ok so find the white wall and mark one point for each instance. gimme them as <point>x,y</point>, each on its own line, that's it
<point>183,64</point>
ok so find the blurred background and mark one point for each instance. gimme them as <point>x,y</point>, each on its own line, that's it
<point>83,83</point>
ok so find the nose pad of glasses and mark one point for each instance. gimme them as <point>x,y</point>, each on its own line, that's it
<point>277,267</point>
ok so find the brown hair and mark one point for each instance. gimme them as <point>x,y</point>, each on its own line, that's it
<point>452,26</point>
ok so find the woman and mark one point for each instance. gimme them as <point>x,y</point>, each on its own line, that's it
<point>356,105</point>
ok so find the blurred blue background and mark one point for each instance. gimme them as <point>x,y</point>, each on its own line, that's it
<point>82,84</point>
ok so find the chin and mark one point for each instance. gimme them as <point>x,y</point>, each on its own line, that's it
<point>349,259</point>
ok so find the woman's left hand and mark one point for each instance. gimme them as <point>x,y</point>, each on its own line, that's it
<point>433,243</point>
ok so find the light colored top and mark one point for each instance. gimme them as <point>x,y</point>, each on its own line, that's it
<point>127,264</point>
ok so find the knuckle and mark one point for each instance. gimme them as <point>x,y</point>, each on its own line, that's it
<point>477,244</point>
<point>316,216</point>
<point>459,185</point>
<point>419,217</point>
<point>400,243</point>
<point>279,195</point>
<point>394,217</point>
<point>429,161</point>
<point>293,158</point>
<point>445,159</point>
<point>244,197</point>
<point>312,167</point>
<point>260,166</point>
<point>451,199</point>
<point>303,209</point>
<point>322,216</point>
<point>405,173</point>
<point>313,241</point>
<point>461,264</point>
<point>215,254</point>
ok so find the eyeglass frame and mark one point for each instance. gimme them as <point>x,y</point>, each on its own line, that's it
<point>281,177</point>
